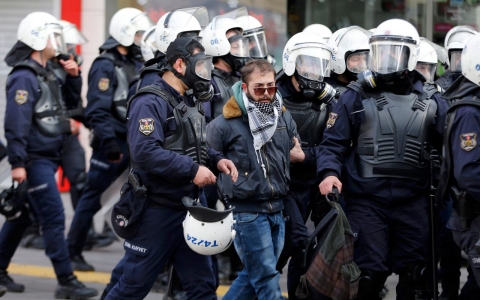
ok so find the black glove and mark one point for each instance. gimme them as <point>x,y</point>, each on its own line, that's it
<point>112,149</point>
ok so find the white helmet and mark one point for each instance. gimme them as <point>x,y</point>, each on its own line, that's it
<point>470,60</point>
<point>307,50</point>
<point>148,45</point>
<point>319,29</point>
<point>126,22</point>
<point>215,38</point>
<point>394,46</point>
<point>255,33</point>
<point>455,40</point>
<point>71,34</point>
<point>173,24</point>
<point>427,60</point>
<point>344,43</point>
<point>36,29</point>
<point>207,231</point>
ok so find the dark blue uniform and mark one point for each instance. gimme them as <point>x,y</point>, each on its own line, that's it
<point>463,156</point>
<point>109,131</point>
<point>388,215</point>
<point>168,177</point>
<point>40,155</point>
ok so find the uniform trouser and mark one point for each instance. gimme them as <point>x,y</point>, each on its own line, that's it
<point>73,165</point>
<point>389,237</point>
<point>296,234</point>
<point>100,176</point>
<point>45,200</point>
<point>466,241</point>
<point>160,233</point>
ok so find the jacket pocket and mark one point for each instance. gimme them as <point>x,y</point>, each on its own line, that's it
<point>243,170</point>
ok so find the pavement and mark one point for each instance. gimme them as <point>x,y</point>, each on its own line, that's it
<point>33,269</point>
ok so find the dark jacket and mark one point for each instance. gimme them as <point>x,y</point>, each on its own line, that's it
<point>24,140</point>
<point>168,176</point>
<point>229,136</point>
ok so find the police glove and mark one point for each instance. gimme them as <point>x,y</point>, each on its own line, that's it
<point>112,149</point>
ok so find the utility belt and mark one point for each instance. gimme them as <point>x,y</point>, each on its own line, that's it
<point>466,207</point>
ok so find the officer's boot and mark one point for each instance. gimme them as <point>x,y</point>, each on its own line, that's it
<point>412,283</point>
<point>370,285</point>
<point>8,282</point>
<point>3,290</point>
<point>70,288</point>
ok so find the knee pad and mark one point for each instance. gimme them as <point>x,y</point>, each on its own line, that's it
<point>80,181</point>
<point>370,285</point>
<point>414,276</point>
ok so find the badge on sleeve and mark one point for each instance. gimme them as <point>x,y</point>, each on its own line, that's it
<point>146,126</point>
<point>332,117</point>
<point>468,141</point>
<point>21,96</point>
<point>103,84</point>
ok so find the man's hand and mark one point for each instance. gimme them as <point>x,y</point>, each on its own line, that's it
<point>70,66</point>
<point>19,174</point>
<point>228,167</point>
<point>328,183</point>
<point>204,177</point>
<point>296,154</point>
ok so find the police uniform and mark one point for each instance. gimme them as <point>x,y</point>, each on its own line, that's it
<point>460,171</point>
<point>35,128</point>
<point>105,114</point>
<point>167,172</point>
<point>374,144</point>
<point>310,117</point>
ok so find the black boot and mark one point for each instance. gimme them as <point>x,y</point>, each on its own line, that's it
<point>79,264</point>
<point>8,282</point>
<point>3,290</point>
<point>70,288</point>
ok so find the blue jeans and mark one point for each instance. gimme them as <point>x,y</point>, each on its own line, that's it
<point>259,242</point>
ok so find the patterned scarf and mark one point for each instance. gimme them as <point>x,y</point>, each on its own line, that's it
<point>262,118</point>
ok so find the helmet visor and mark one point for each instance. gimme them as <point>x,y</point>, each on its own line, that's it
<point>357,61</point>
<point>203,66</point>
<point>312,67</point>
<point>239,46</point>
<point>455,65</point>
<point>73,36</point>
<point>149,40</point>
<point>427,70</point>
<point>387,59</point>
<point>55,39</point>
<point>257,44</point>
<point>200,13</point>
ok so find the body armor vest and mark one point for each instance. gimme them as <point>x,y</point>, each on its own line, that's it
<point>224,83</point>
<point>190,137</point>
<point>310,119</point>
<point>430,89</point>
<point>393,140</point>
<point>124,73</point>
<point>50,114</point>
<point>60,73</point>
<point>139,78</point>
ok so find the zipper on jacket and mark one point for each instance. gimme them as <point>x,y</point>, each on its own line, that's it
<point>268,172</point>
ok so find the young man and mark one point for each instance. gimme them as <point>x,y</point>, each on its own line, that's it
<point>256,132</point>
<point>165,133</point>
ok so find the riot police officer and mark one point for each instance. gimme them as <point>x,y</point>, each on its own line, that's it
<point>223,39</point>
<point>106,116</point>
<point>257,42</point>
<point>460,166</point>
<point>454,42</point>
<point>164,165</point>
<point>349,56</point>
<point>306,62</point>
<point>373,151</point>
<point>36,125</point>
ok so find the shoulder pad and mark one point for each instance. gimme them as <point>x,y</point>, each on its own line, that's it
<point>30,65</point>
<point>474,101</point>
<point>156,90</point>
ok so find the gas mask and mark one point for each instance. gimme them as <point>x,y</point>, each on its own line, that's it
<point>313,89</point>
<point>372,80</point>
<point>197,76</point>
<point>239,53</point>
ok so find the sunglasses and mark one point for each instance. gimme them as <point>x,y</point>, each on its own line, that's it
<point>259,91</point>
